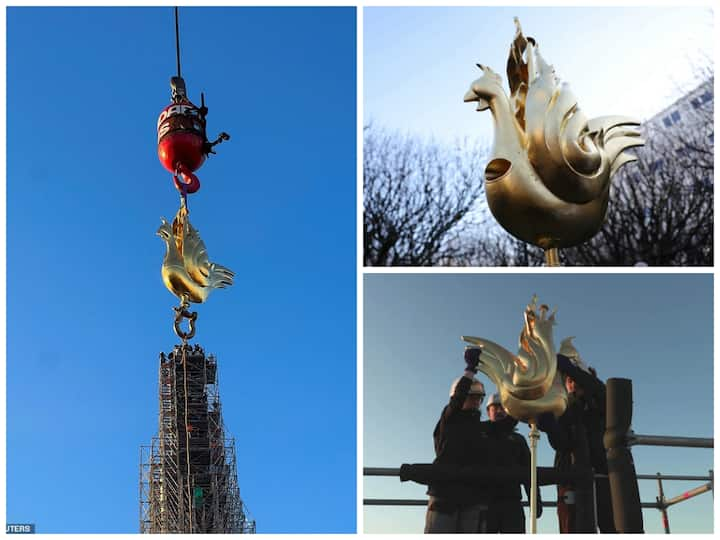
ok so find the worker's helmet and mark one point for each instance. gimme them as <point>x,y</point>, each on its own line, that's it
<point>567,348</point>
<point>476,388</point>
<point>493,400</point>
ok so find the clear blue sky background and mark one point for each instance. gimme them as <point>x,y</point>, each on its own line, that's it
<point>87,310</point>
<point>654,329</point>
<point>419,62</point>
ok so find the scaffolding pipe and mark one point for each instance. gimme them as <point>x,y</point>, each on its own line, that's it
<point>395,471</point>
<point>689,494</point>
<point>672,477</point>
<point>634,439</point>
<point>428,473</point>
<point>663,505</point>
<point>381,471</point>
<point>624,491</point>
<point>425,472</point>
<point>423,502</point>
<point>534,435</point>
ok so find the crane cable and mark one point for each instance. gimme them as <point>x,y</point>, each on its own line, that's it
<point>177,42</point>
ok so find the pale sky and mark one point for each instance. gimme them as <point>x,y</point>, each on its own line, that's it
<point>654,329</point>
<point>419,62</point>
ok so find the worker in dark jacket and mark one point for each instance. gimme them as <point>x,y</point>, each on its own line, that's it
<point>459,440</point>
<point>507,449</point>
<point>577,437</point>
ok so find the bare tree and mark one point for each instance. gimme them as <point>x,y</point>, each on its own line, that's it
<point>661,208</point>
<point>420,199</point>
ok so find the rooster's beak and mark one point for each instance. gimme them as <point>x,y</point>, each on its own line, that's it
<point>470,96</point>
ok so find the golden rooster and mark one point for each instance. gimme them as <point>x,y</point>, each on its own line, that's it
<point>548,180</point>
<point>186,270</point>
<point>528,383</point>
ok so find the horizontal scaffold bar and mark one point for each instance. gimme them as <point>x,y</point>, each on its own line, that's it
<point>423,502</point>
<point>395,471</point>
<point>635,439</point>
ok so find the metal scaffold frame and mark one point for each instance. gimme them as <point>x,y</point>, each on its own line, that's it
<point>188,474</point>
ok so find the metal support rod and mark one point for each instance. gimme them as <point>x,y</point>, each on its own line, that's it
<point>381,471</point>
<point>395,471</point>
<point>552,257</point>
<point>712,481</point>
<point>622,476</point>
<point>671,477</point>
<point>427,474</point>
<point>634,439</point>
<point>424,502</point>
<point>689,494</point>
<point>663,506</point>
<point>395,502</point>
<point>534,435</point>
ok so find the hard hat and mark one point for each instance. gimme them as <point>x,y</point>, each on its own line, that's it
<point>567,348</point>
<point>494,400</point>
<point>476,388</point>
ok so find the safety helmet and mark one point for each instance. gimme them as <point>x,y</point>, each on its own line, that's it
<point>476,388</point>
<point>494,399</point>
<point>567,348</point>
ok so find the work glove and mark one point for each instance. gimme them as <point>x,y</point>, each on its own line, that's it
<point>472,358</point>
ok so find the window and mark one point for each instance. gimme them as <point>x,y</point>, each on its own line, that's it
<point>672,118</point>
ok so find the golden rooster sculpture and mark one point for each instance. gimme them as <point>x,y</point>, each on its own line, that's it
<point>548,179</point>
<point>186,270</point>
<point>528,383</point>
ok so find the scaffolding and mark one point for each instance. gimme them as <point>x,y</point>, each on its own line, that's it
<point>188,473</point>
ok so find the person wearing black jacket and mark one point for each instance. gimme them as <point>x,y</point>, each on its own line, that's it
<point>577,437</point>
<point>459,440</point>
<point>507,449</point>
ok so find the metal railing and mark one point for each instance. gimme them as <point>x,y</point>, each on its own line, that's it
<point>617,439</point>
<point>634,439</point>
<point>661,503</point>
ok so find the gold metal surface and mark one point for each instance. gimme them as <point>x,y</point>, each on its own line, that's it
<point>186,270</point>
<point>548,179</point>
<point>528,383</point>
<point>552,258</point>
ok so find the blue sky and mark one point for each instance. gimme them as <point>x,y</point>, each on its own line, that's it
<point>419,62</point>
<point>654,329</point>
<point>87,311</point>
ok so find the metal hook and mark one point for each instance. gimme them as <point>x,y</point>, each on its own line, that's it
<point>185,181</point>
<point>181,313</point>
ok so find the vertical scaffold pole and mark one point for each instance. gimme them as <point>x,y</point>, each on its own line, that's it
<point>534,437</point>
<point>661,504</point>
<point>624,492</point>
